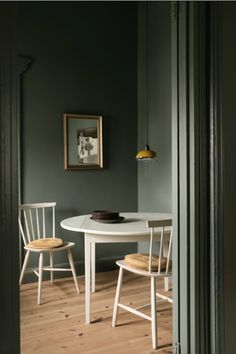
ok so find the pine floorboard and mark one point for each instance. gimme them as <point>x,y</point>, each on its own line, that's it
<point>58,325</point>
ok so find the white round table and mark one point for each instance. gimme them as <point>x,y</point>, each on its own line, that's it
<point>132,229</point>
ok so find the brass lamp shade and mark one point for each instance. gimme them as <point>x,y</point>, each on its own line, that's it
<point>146,154</point>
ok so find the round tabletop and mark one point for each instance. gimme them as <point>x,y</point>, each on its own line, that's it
<point>132,224</point>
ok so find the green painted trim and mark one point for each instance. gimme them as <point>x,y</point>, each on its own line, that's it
<point>9,258</point>
<point>175,171</point>
<point>191,196</point>
<point>199,179</point>
<point>183,178</point>
<point>216,175</point>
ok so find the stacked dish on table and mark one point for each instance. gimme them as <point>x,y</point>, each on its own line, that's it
<point>106,216</point>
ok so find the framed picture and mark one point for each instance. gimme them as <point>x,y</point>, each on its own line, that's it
<point>82,142</point>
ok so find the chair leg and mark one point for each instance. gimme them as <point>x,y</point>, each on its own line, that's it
<point>154,312</point>
<point>40,277</point>
<point>51,265</point>
<point>25,263</point>
<point>70,258</point>
<point>166,284</point>
<point>117,297</point>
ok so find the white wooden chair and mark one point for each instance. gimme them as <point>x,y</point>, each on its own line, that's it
<point>148,266</point>
<point>33,219</point>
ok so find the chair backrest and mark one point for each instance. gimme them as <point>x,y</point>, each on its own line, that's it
<point>161,231</point>
<point>33,219</point>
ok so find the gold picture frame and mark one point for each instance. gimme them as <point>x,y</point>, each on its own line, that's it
<point>83,145</point>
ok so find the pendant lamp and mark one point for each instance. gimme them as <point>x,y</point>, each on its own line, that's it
<point>146,154</point>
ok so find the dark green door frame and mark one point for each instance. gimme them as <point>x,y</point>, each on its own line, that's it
<point>216,179</point>
<point>9,250</point>
<point>194,325</point>
<point>197,183</point>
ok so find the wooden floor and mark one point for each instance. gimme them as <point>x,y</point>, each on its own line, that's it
<point>57,326</point>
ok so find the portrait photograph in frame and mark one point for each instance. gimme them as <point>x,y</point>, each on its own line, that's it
<point>83,146</point>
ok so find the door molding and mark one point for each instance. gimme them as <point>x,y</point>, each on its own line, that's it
<point>191,176</point>
<point>216,181</point>
<point>9,258</point>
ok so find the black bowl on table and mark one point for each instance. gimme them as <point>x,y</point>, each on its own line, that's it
<point>106,216</point>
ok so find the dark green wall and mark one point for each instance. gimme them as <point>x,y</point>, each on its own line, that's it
<point>154,178</point>
<point>84,60</point>
<point>229,171</point>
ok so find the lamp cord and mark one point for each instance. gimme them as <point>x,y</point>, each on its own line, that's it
<point>147,71</point>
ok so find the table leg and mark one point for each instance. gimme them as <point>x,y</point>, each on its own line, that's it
<point>93,265</point>
<point>87,257</point>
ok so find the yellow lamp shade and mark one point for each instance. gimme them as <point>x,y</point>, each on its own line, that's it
<point>146,154</point>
